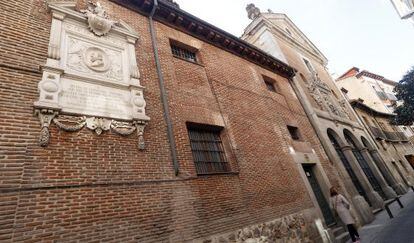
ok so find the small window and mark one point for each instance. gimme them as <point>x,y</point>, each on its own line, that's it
<point>294,132</point>
<point>183,53</point>
<point>207,149</point>
<point>309,65</point>
<point>270,84</point>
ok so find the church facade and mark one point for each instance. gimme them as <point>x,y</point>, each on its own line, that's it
<point>338,127</point>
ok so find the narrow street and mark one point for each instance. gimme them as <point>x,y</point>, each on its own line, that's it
<point>396,230</point>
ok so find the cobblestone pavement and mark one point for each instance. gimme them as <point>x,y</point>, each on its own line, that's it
<point>400,229</point>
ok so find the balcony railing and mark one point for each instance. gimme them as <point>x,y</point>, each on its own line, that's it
<point>377,133</point>
<point>402,136</point>
<point>392,136</point>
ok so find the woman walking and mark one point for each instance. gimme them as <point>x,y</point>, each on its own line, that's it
<point>342,206</point>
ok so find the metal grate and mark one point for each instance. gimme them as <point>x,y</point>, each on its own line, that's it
<point>208,152</point>
<point>183,53</point>
<point>348,168</point>
<point>365,167</point>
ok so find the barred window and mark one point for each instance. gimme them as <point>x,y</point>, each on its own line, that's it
<point>183,53</point>
<point>207,149</point>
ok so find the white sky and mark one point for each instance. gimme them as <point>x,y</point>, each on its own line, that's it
<point>364,33</point>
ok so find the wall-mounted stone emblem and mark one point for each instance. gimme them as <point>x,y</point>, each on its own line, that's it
<point>91,77</point>
<point>98,19</point>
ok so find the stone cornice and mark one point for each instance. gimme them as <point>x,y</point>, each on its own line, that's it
<point>360,105</point>
<point>176,18</point>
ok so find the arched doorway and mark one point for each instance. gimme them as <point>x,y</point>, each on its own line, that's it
<point>333,138</point>
<point>370,148</point>
<point>363,163</point>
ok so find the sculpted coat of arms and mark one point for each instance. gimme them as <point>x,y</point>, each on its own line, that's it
<point>98,19</point>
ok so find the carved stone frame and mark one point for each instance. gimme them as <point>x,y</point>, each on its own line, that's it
<point>48,107</point>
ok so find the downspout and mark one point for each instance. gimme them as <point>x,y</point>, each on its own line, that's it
<point>164,99</point>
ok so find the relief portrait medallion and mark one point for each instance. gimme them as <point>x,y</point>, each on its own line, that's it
<point>96,59</point>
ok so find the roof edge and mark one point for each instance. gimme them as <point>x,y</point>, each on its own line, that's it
<point>181,20</point>
<point>360,104</point>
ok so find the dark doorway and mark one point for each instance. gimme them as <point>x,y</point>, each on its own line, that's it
<point>317,191</point>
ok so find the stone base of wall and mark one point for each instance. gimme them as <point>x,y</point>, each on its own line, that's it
<point>298,227</point>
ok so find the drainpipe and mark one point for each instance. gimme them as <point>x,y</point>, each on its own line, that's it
<point>164,99</point>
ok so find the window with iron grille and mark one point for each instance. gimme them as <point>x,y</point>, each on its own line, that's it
<point>183,53</point>
<point>294,132</point>
<point>207,149</point>
<point>270,84</point>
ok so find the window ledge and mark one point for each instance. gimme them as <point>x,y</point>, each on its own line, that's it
<point>219,173</point>
<point>183,59</point>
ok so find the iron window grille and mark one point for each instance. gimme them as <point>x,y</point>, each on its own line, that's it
<point>183,53</point>
<point>207,149</point>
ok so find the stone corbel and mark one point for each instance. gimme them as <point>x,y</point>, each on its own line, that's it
<point>140,125</point>
<point>45,116</point>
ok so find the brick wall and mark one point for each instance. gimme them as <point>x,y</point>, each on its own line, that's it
<point>87,187</point>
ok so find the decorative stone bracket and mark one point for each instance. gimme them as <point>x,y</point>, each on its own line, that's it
<point>45,116</point>
<point>98,125</point>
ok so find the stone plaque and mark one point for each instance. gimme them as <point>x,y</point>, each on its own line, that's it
<point>95,100</point>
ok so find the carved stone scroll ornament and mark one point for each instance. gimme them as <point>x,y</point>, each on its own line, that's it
<point>45,116</point>
<point>70,125</point>
<point>314,92</point>
<point>98,125</point>
<point>98,19</point>
<point>344,108</point>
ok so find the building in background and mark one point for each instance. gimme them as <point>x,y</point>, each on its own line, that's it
<point>333,119</point>
<point>376,91</point>
<point>392,144</point>
<point>373,99</point>
<point>404,8</point>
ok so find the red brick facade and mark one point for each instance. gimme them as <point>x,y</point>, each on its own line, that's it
<point>85,187</point>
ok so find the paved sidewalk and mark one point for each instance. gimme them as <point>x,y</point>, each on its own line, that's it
<point>396,230</point>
